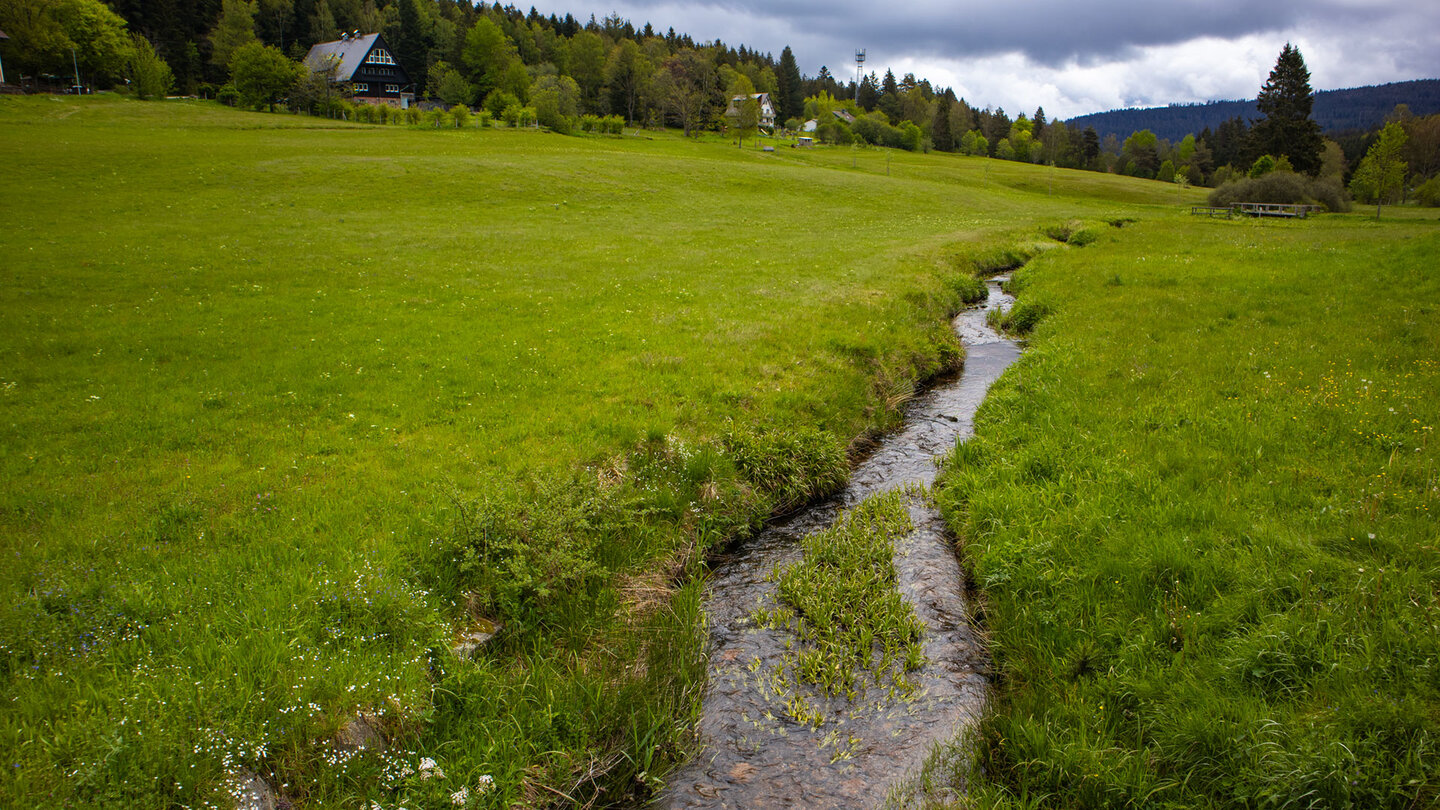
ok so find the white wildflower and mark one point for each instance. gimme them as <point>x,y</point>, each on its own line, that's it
<point>429,769</point>
<point>460,797</point>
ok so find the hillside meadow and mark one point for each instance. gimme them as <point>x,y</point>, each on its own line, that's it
<point>287,406</point>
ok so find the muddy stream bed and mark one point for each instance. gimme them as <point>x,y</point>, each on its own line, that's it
<point>751,754</point>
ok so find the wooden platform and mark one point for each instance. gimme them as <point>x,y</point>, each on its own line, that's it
<point>1284,210</point>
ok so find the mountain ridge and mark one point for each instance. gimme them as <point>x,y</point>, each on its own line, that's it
<point>1351,108</point>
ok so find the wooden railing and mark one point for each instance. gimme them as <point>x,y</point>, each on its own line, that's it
<point>1287,210</point>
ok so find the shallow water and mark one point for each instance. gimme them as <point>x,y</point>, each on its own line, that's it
<point>751,754</point>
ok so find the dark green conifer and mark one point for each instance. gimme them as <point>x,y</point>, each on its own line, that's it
<point>791,87</point>
<point>1287,128</point>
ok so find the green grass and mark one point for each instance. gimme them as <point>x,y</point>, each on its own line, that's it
<point>286,405</point>
<point>1201,512</point>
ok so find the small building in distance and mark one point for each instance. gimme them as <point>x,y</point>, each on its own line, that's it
<point>767,109</point>
<point>368,65</point>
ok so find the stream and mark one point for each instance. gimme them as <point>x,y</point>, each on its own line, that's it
<point>752,755</point>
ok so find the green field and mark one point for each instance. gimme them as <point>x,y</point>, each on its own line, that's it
<point>286,405</point>
<point>1202,512</point>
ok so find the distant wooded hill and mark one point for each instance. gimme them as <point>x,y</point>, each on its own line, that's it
<point>1359,108</point>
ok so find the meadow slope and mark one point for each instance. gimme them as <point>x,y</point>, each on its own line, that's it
<point>286,405</point>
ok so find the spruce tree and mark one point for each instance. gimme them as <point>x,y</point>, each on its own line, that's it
<point>1287,128</point>
<point>791,87</point>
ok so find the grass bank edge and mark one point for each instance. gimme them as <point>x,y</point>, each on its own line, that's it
<point>709,494</point>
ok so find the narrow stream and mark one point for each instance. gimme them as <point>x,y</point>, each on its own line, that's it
<point>752,755</point>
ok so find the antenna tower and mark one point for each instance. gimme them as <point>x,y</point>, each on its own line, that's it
<point>859,71</point>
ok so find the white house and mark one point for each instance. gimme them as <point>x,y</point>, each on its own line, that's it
<point>767,109</point>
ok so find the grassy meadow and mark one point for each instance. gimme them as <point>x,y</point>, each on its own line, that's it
<point>287,406</point>
<point>1201,515</point>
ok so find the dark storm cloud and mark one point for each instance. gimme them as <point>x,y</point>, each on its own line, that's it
<point>1078,57</point>
<point>1048,33</point>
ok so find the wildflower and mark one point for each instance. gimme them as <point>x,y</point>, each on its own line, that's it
<point>460,797</point>
<point>484,784</point>
<point>429,769</point>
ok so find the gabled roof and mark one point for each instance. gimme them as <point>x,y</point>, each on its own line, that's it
<point>347,53</point>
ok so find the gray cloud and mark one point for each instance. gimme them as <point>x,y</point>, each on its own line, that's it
<point>1073,55</point>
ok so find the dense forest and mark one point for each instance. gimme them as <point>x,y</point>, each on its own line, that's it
<point>1336,111</point>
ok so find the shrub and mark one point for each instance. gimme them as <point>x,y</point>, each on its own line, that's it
<point>834,132</point>
<point>525,561</point>
<point>1262,166</point>
<point>414,115</point>
<point>614,124</point>
<point>1282,187</point>
<point>1331,193</point>
<point>227,95</point>
<point>589,123</point>
<point>461,115</point>
<point>1429,192</point>
<point>1060,232</point>
<point>485,118</point>
<point>498,101</point>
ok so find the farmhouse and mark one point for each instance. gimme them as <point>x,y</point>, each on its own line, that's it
<point>368,65</point>
<point>767,110</point>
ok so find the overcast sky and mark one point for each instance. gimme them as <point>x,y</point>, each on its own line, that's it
<point>1071,57</point>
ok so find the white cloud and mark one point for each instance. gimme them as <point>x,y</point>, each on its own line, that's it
<point>1071,58</point>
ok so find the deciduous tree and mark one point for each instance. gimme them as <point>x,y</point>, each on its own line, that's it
<point>488,53</point>
<point>1382,172</point>
<point>151,77</point>
<point>262,74</point>
<point>235,29</point>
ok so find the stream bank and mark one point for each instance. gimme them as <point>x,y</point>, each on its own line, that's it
<point>752,753</point>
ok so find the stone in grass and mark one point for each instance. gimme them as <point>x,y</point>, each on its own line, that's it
<point>252,792</point>
<point>472,640</point>
<point>362,733</point>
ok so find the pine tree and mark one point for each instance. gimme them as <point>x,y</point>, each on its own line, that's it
<point>868,94</point>
<point>791,90</point>
<point>1287,128</point>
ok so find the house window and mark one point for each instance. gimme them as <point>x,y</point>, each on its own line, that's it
<point>362,87</point>
<point>392,88</point>
<point>380,56</point>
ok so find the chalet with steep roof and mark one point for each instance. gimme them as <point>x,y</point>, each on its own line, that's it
<point>367,65</point>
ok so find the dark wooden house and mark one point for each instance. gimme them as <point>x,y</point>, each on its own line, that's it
<point>368,65</point>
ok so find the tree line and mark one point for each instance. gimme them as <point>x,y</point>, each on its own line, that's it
<point>527,67</point>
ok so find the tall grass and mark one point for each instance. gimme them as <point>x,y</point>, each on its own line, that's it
<point>1200,513</point>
